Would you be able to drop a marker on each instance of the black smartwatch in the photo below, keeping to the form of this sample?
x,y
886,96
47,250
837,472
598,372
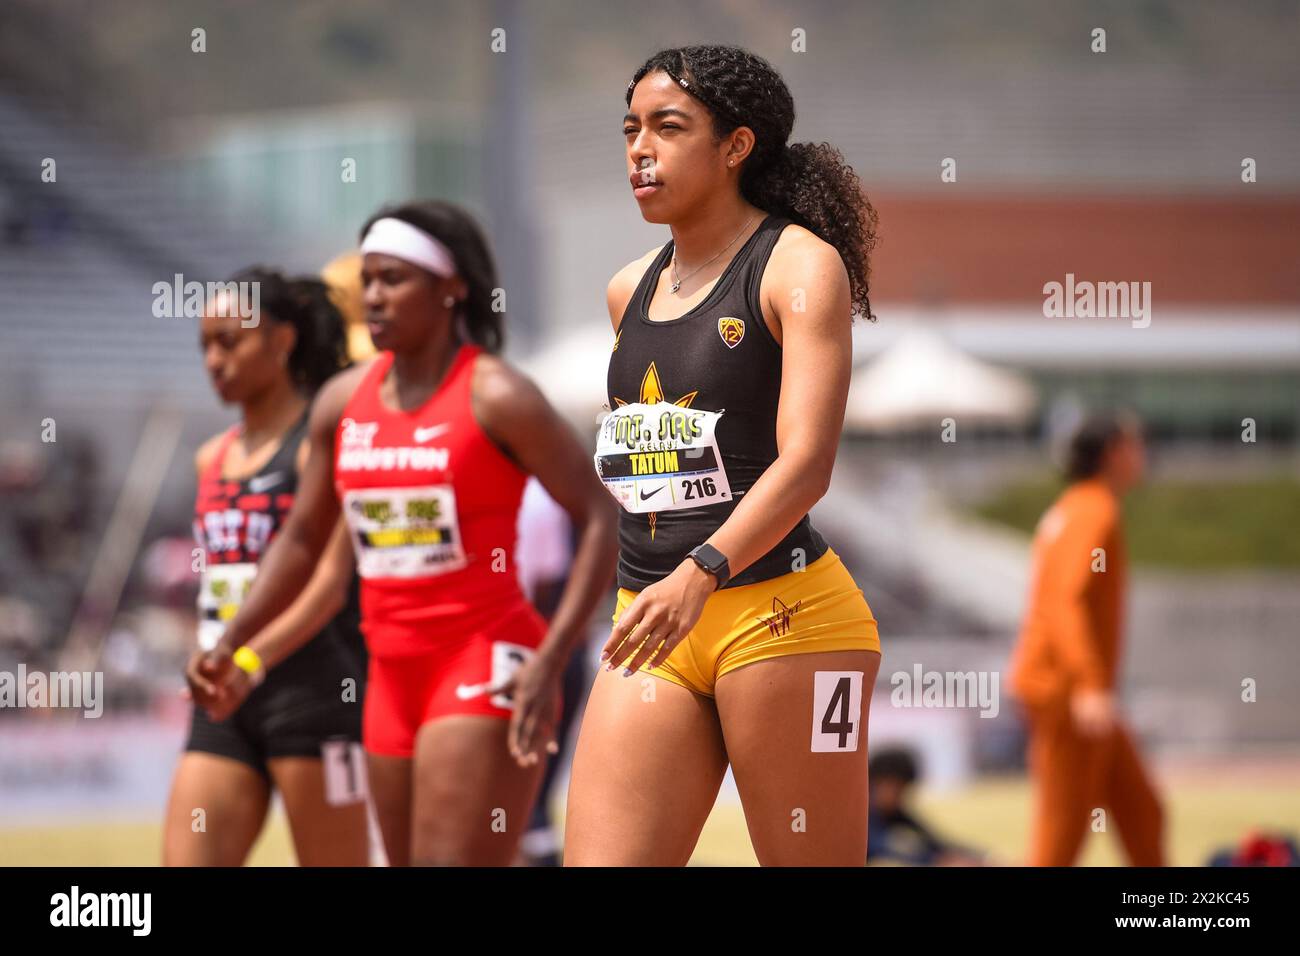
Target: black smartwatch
x,y
712,560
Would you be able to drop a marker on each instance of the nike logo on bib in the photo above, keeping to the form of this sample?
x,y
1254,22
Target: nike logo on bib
x,y
265,482
644,496
424,434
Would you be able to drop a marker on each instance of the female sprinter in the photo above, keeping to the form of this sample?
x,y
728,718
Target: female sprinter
x,y
425,451
291,715
727,385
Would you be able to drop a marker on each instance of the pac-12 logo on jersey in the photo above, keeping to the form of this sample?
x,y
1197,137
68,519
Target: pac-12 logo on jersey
x,y
732,330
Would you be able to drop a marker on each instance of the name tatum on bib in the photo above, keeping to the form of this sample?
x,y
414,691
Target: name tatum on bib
x,y
692,424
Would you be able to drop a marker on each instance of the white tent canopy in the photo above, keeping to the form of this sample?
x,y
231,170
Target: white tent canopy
x,y
922,379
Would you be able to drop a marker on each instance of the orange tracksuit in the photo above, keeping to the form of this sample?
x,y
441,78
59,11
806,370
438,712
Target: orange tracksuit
x,y
1071,639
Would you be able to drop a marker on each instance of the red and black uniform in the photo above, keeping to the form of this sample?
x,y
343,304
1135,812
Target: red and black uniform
x,y
302,702
432,504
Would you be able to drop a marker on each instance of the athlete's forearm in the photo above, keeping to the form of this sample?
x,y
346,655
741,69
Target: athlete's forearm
x,y
592,573
782,495
306,617
281,576
322,598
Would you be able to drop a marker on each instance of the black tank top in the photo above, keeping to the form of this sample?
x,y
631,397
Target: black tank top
x,y
235,522
719,356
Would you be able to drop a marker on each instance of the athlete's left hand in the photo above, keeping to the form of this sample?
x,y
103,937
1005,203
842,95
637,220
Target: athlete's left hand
x,y
205,674
661,616
535,690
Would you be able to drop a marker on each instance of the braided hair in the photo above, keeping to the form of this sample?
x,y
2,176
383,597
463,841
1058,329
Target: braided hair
x,y
320,348
808,183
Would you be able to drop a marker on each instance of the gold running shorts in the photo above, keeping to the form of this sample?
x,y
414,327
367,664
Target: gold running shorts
x,y
817,609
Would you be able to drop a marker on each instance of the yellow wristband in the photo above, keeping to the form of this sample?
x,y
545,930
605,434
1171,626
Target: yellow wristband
x,y
246,659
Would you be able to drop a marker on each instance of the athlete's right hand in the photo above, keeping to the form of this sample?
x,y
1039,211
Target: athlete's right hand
x,y
1093,712
535,689
206,673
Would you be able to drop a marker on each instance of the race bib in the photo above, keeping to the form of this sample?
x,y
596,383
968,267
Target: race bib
x,y
222,589
404,532
344,763
661,457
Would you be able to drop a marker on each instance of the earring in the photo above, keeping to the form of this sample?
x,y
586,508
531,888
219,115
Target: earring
x,y
449,301
731,162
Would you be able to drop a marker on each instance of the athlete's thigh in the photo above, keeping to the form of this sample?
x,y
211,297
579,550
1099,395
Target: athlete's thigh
x,y
646,772
471,799
391,785
799,754
323,834
215,811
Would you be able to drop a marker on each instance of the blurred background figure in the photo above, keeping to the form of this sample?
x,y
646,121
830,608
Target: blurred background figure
x,y
895,834
543,555
343,276
1083,760
280,719
1260,849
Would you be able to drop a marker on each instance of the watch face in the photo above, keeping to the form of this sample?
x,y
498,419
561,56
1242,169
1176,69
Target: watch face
x,y
710,558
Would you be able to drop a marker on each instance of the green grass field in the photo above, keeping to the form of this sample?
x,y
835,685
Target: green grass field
x,y
1186,525
1204,814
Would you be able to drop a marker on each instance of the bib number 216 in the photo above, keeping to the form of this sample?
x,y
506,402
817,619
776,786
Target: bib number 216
x,y
699,488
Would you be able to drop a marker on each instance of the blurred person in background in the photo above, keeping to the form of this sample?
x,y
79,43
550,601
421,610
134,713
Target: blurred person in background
x,y
1065,667
343,276
894,833
276,719
425,450
733,342
544,554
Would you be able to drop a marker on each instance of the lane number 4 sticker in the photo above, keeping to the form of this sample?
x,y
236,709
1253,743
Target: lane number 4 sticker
x,y
837,711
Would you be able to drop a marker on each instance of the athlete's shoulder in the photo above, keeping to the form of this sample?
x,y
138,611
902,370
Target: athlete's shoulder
x,y
805,268
499,386
207,453
619,291
800,253
1090,505
508,405
327,407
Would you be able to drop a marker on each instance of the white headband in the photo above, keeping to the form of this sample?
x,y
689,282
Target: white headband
x,y
393,237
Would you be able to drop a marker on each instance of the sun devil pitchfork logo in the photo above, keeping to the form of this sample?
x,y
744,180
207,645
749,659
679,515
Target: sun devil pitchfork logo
x,y
779,623
732,330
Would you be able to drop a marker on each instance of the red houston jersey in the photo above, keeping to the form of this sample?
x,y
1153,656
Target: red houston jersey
x,y
432,504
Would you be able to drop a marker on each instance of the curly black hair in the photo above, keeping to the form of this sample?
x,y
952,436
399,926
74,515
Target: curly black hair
x,y
460,232
808,183
321,348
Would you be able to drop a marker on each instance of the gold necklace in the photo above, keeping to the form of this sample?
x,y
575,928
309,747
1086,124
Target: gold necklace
x,y
677,280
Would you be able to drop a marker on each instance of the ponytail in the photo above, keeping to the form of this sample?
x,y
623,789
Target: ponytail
x,y
320,347
808,183
811,184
